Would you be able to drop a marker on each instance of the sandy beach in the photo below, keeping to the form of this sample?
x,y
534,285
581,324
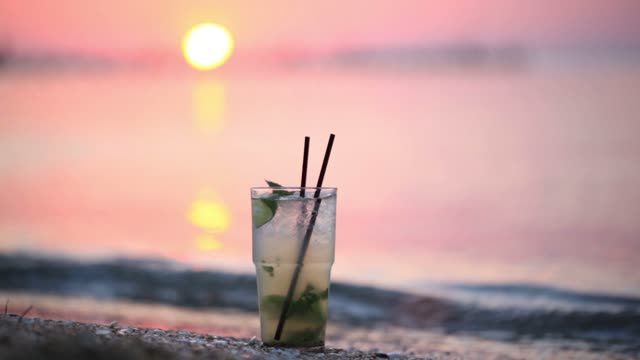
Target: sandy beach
x,y
35,338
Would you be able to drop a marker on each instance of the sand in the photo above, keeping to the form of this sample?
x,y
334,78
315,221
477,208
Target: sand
x,y
36,338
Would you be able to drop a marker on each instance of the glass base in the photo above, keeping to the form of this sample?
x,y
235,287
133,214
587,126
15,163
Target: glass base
x,y
317,347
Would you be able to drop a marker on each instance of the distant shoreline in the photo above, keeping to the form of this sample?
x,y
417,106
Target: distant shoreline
x,y
419,57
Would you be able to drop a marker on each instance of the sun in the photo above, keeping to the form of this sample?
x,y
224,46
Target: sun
x,y
207,46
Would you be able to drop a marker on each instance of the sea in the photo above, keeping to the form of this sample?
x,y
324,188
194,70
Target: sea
x,y
485,210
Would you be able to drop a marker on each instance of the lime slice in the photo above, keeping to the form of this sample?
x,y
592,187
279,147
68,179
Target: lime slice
x,y
263,211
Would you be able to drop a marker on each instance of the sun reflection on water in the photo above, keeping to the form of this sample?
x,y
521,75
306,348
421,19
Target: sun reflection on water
x,y
208,242
208,105
212,217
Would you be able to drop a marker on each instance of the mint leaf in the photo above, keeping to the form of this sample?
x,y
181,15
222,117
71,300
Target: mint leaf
x,y
309,296
307,307
306,337
275,185
325,294
271,306
268,269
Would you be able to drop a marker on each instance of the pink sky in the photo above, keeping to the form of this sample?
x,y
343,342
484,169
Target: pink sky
x,y
316,25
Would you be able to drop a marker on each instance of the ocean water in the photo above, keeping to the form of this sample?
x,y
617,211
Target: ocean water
x,y
510,193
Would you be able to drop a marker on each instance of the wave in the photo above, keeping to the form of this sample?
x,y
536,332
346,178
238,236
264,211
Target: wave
x,y
539,291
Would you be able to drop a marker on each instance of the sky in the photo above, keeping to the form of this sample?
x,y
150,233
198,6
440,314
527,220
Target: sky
x,y
124,25
521,168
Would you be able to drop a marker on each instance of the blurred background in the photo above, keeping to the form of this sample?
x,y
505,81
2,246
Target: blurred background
x,y
486,157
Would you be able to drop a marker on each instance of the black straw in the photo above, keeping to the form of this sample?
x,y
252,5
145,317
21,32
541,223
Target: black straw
x,y
305,160
325,162
305,242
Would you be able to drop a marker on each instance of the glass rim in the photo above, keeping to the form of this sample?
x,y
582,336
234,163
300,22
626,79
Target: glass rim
x,y
294,188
